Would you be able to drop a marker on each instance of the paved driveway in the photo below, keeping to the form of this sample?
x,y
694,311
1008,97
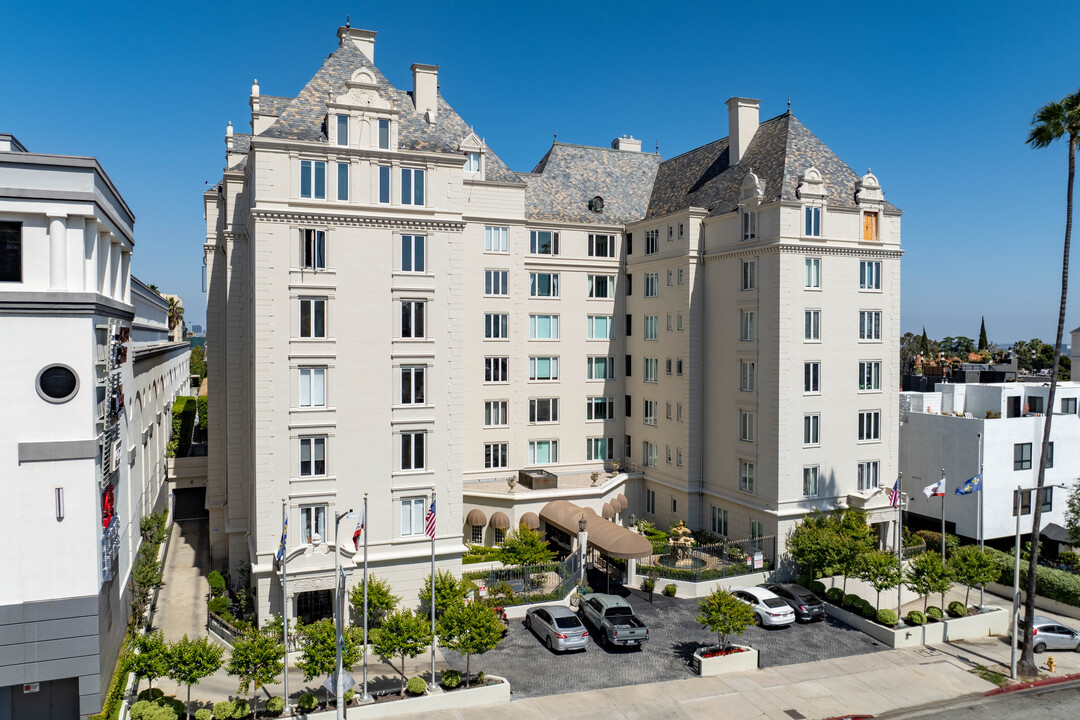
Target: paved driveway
x,y
674,634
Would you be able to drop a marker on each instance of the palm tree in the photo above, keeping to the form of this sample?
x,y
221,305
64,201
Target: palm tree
x,y
176,313
1052,122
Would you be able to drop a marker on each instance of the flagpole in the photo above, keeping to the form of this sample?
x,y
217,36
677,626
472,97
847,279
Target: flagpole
x,y
900,543
944,492
285,597
365,697
982,586
433,597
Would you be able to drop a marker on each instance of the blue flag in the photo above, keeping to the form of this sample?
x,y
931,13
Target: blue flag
x,y
970,486
284,535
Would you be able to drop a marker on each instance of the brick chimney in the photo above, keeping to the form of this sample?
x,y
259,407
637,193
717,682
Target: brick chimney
x,y
426,89
362,39
742,124
626,143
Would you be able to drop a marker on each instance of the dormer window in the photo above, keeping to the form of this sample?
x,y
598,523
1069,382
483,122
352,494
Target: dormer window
x,y
749,225
342,129
473,149
870,226
812,221
472,162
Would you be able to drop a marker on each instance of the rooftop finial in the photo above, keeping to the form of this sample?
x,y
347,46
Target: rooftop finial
x,y
346,20
789,104
657,147
555,135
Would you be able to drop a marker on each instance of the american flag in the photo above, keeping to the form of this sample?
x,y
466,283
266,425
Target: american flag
x,y
894,495
429,521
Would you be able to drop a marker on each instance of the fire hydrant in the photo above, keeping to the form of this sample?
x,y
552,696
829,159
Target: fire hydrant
x,y
1050,664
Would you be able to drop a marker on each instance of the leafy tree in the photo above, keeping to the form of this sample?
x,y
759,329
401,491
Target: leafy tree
x,y
471,629
448,591
925,343
197,362
524,546
881,570
971,565
402,634
814,546
149,661
983,343
257,659
318,654
958,346
1072,515
724,614
189,661
910,346
1051,123
856,536
381,601
927,575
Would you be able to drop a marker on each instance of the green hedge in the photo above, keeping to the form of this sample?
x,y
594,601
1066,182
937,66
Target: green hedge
x,y
203,414
183,422
1057,585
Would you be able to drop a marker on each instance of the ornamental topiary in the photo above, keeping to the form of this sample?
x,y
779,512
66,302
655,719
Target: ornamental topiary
x,y
451,679
275,705
648,585
869,611
957,609
834,595
886,617
818,588
670,589
348,696
416,686
934,612
852,602
915,618
139,710
241,710
217,583
307,701
203,714
224,710
218,605
151,694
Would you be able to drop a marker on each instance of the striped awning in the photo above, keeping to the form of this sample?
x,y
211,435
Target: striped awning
x,y
607,537
476,518
499,521
607,512
530,520
623,502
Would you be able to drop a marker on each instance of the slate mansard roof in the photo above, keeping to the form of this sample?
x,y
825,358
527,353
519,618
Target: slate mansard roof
x,y
303,118
780,151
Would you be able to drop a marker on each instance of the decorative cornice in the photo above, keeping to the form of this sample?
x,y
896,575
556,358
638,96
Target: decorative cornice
x,y
800,249
309,218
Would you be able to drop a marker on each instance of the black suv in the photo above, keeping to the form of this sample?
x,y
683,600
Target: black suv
x,y
807,605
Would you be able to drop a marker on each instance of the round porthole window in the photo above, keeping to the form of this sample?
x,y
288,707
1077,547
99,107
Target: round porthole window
x,y
57,383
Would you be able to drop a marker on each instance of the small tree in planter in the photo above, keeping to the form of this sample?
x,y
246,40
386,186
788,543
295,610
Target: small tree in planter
x,y
815,547
189,661
257,659
927,575
381,601
881,570
149,662
972,566
318,654
471,629
448,591
724,614
403,634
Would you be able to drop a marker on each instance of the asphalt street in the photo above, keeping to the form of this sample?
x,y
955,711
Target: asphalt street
x,y
1050,703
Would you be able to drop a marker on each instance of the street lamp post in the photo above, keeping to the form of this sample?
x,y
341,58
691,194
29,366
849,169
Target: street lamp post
x,y
339,612
583,540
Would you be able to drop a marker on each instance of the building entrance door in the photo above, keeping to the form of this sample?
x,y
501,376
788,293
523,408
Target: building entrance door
x,y
314,606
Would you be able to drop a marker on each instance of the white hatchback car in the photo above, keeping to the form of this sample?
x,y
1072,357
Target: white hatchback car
x,y
769,608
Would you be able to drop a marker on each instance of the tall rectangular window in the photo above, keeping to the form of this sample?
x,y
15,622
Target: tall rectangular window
x,y
652,242
869,274
810,481
601,246
384,133
495,456
870,425
629,284
870,226
312,387
384,184
496,239
313,249
652,370
869,324
412,319
812,216
650,501
1068,406
601,286
312,317
600,368
811,429
543,452
412,186
870,375
812,377
313,179
342,129
412,384
652,284
747,426
495,414
600,408
719,521
652,327
747,330
600,327
1022,456
312,456
412,450
746,476
749,225
544,410
10,252
413,512
543,242
651,408
312,522
747,371
543,368
472,162
813,273
496,282
544,285
748,275
496,369
412,253
496,326
543,327
648,458
868,475
599,448
812,325
343,182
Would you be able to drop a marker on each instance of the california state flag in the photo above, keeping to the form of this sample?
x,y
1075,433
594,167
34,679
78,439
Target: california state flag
x,y
935,490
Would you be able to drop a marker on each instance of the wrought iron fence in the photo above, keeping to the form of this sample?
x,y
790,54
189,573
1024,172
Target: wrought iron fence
x,y
528,583
727,558
911,551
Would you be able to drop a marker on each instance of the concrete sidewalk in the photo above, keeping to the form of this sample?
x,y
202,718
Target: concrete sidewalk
x,y
181,603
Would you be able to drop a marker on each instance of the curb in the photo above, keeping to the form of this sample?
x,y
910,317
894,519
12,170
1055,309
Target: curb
x,y
1033,684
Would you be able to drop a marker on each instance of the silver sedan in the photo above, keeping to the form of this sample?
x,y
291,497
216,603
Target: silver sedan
x,y
558,627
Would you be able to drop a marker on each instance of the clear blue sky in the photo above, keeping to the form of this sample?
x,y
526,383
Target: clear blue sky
x,y
935,98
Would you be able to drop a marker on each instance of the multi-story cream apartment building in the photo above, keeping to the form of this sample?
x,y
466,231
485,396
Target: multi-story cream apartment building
x,y
393,311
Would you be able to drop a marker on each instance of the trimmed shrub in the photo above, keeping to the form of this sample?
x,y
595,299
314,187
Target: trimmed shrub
x,y
218,605
834,595
183,422
670,589
203,408
241,710
175,704
203,714
307,701
915,618
416,686
139,710
803,580
869,611
451,679
818,588
1059,585
275,705
934,612
886,617
224,710
151,694
852,601
957,609
348,696
481,679
217,583
152,710
933,542
648,585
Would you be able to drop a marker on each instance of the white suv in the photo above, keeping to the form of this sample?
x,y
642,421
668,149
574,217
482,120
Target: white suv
x,y
769,608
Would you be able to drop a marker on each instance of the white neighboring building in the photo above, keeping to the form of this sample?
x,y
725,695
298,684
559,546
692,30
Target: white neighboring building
x,y
934,437
91,379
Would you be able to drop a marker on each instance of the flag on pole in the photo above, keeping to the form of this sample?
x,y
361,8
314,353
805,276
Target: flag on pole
x,y
359,528
894,495
429,521
970,486
284,535
935,490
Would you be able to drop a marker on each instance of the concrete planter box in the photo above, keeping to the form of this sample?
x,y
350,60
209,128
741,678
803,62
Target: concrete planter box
x,y
994,622
1042,603
737,662
687,589
432,702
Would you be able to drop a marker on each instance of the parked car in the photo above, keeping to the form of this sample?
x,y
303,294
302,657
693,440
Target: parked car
x,y
807,605
614,620
1047,634
770,609
557,627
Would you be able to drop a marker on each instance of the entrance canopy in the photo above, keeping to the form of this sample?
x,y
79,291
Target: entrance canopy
x,y
607,537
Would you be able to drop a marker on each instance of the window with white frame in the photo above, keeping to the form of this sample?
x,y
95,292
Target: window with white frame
x,y
682,231
679,322
812,377
312,523
667,411
496,369
384,133
312,456
412,450
312,387
472,162
869,324
544,410
667,366
495,414
670,278
747,372
412,253
543,242
670,323
496,326
496,282
870,425
495,456
543,452
670,233
652,327
600,327
651,408
652,370
667,454
757,532
678,366
812,325
498,536
412,186
652,242
496,239
412,319
544,285
313,179
384,184
746,476
543,368
1068,406
312,317
599,448
681,276
748,275
678,457
747,331
678,411
652,284
476,536
342,129
543,327
648,456
811,427
601,286
749,225
343,182
747,425
412,384
812,278
600,408
601,246
600,368
413,512
869,274
869,375
812,221
868,475
313,249
810,480
719,524
650,501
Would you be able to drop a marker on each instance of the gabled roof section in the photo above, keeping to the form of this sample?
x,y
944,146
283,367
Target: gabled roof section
x,y
304,117
569,176
781,150
273,105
